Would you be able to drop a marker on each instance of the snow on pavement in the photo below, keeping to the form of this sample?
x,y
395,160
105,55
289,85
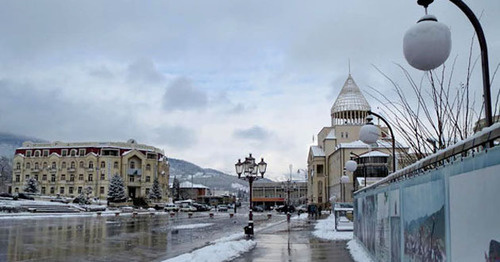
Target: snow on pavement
x,y
325,229
221,251
192,226
358,252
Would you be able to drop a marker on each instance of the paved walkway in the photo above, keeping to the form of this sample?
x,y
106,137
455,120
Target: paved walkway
x,y
294,242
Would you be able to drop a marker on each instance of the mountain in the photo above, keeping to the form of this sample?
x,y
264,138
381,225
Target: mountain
x,y
10,142
214,179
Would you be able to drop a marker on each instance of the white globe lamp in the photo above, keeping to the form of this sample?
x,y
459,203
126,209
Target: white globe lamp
x,y
427,44
344,179
369,134
351,165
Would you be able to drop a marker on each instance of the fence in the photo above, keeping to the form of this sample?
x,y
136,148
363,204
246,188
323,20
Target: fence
x,y
444,207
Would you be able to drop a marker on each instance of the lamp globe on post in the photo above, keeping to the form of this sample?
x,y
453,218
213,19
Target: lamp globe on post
x,y
239,168
351,165
262,167
427,44
369,133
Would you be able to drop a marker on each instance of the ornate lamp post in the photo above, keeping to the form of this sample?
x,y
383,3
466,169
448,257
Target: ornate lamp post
x,y
427,45
369,134
250,171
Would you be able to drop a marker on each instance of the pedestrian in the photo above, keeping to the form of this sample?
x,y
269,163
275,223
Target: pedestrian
x,y
319,211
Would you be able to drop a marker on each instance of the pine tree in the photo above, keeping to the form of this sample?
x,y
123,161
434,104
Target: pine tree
x,y
31,186
116,190
155,193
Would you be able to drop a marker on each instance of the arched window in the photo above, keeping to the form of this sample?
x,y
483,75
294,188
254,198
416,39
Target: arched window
x,y
28,165
63,165
18,165
132,164
72,164
36,165
115,165
44,165
148,167
73,152
81,164
91,164
103,164
54,165
37,153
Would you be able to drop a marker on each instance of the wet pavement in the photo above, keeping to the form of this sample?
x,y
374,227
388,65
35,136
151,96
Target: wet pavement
x,y
295,242
110,238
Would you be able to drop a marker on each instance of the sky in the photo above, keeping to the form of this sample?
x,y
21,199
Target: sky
x,y
208,81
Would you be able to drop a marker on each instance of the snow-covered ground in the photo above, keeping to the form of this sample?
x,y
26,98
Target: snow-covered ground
x,y
358,252
220,251
192,226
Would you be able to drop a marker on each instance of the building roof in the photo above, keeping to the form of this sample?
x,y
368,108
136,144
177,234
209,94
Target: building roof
x,y
374,154
187,184
317,151
360,144
350,98
331,135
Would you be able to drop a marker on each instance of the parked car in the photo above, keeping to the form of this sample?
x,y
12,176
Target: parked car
x,y
25,196
302,209
222,208
127,209
285,209
201,207
171,207
258,208
188,208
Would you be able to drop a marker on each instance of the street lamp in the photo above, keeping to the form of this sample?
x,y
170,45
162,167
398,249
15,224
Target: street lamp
x,y
344,180
288,186
427,45
369,134
351,166
250,171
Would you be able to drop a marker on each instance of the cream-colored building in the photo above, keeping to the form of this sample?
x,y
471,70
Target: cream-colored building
x,y
67,169
339,143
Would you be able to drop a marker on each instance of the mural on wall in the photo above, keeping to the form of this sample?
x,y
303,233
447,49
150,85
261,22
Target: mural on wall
x,y
475,215
424,222
369,222
395,218
383,233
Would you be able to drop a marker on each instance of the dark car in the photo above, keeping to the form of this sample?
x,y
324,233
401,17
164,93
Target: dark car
x,y
7,195
285,209
25,196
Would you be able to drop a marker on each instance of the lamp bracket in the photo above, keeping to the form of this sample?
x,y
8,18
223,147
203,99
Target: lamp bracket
x,y
425,3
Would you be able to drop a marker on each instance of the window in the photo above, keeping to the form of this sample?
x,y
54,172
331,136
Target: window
x,y
79,190
54,166
37,153
73,152
36,166
148,167
44,165
63,165
45,152
342,134
28,153
81,164
72,178
44,177
148,179
63,177
43,190
28,165
70,190
26,177
18,178
36,177
18,166
61,190
103,177
72,164
101,190
147,191
319,169
132,164
346,135
81,152
64,152
115,166
103,164
91,164
80,177
52,190
91,177
131,179
17,190
53,178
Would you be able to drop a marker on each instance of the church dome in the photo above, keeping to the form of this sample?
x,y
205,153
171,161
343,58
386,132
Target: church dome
x,y
351,106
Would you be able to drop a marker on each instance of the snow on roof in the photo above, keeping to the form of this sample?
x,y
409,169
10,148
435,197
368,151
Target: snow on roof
x,y
187,184
317,151
369,180
360,144
331,135
374,154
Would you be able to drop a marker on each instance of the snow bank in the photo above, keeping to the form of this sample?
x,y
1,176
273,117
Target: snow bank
x,y
358,252
221,251
191,226
325,229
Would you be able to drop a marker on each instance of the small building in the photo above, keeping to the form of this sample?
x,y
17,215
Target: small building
x,y
188,190
268,194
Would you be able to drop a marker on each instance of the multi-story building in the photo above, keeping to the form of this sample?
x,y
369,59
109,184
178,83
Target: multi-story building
x,y
68,169
269,194
339,143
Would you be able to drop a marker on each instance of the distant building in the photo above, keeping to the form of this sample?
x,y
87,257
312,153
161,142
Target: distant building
x,y
339,143
269,194
188,190
67,169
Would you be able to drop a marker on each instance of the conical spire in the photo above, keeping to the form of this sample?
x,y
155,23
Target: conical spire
x,y
351,105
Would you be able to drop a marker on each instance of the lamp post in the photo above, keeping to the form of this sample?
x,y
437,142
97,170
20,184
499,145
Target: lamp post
x,y
344,180
427,45
288,186
369,134
250,171
351,166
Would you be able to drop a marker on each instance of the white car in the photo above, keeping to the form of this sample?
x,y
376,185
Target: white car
x,y
171,207
188,208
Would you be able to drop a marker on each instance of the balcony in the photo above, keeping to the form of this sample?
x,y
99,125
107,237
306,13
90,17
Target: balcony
x,y
134,172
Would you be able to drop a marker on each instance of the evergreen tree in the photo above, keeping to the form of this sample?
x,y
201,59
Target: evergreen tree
x,y
31,186
155,193
116,190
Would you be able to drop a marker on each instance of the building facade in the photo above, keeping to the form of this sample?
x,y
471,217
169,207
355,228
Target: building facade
x,y
268,194
69,169
338,143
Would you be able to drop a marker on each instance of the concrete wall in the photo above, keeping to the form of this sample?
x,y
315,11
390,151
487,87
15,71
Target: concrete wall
x,y
448,213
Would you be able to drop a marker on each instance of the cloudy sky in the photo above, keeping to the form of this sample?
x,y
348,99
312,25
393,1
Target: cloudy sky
x,y
207,81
